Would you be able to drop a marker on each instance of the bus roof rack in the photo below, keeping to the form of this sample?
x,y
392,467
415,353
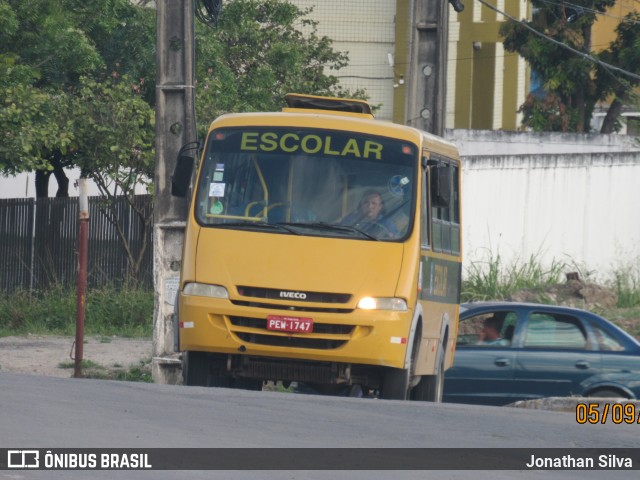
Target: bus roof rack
x,y
313,102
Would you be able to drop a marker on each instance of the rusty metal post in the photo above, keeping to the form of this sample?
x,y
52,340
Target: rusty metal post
x,y
83,240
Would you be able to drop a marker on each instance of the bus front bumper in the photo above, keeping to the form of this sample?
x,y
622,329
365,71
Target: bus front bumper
x,y
368,337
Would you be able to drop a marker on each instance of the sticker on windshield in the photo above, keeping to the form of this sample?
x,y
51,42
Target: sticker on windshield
x,y
398,185
216,207
216,189
218,174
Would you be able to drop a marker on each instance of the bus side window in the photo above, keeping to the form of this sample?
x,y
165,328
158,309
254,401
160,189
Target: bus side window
x,y
424,212
445,205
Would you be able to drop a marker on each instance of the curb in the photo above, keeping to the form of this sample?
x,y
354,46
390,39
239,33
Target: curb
x,y
569,404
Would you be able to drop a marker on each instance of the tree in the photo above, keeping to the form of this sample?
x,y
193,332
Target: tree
x,y
261,50
77,85
624,50
48,45
570,87
114,129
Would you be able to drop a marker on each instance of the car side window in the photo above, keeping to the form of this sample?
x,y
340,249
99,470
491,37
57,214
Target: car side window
x,y
546,330
605,341
487,329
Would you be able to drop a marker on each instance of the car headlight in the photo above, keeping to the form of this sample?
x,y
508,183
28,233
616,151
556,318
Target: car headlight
x,y
372,303
204,290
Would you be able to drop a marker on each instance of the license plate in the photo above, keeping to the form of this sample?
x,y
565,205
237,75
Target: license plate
x,y
290,324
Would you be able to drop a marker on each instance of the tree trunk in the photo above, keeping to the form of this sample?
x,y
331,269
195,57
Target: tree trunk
x,y
42,178
609,122
580,107
61,177
42,183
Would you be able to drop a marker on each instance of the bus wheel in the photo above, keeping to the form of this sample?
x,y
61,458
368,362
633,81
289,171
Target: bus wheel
x,y
395,384
196,369
430,387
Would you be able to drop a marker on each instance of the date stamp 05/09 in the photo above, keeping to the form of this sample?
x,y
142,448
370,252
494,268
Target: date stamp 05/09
x,y
616,413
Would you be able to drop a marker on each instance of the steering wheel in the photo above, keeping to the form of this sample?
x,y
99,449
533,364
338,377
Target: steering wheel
x,y
378,230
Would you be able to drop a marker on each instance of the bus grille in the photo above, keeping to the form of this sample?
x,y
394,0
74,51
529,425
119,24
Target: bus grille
x,y
279,294
290,308
262,336
292,342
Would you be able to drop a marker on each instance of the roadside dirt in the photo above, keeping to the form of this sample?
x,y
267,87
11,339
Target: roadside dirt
x,y
44,355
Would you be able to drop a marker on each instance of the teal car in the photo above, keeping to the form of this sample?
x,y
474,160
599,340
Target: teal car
x,y
539,351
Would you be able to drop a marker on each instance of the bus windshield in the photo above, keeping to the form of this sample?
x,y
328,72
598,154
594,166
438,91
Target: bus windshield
x,y
314,182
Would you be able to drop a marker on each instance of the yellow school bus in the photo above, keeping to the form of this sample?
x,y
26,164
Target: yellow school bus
x,y
322,247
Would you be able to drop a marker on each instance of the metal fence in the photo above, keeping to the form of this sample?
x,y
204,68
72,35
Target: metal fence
x,y
38,243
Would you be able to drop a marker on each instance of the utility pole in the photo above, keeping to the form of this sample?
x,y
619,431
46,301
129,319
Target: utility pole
x,y
81,291
175,126
426,98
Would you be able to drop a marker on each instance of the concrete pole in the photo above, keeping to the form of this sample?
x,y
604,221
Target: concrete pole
x,y
175,126
426,98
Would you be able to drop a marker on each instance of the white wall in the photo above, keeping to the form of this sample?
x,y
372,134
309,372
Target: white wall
x,y
580,209
24,185
500,142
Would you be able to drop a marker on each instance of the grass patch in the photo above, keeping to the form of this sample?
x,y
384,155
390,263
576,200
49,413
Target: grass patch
x,y
134,373
108,312
83,364
627,286
492,279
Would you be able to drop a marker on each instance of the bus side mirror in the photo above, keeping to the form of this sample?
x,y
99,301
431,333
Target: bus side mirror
x,y
440,185
181,178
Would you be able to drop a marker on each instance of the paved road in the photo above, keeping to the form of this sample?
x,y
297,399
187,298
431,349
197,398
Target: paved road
x,y
47,412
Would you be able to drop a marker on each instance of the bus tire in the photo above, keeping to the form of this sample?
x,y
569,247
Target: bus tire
x,y
430,387
196,369
395,384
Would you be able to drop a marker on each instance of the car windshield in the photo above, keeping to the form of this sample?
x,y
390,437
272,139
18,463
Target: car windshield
x,y
307,182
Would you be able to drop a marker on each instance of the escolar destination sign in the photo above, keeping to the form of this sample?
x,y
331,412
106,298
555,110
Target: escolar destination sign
x,y
311,144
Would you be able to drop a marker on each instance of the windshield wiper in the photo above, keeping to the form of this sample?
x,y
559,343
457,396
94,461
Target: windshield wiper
x,y
259,225
331,227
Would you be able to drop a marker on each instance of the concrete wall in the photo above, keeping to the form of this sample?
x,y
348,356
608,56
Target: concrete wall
x,y
581,208
499,142
23,185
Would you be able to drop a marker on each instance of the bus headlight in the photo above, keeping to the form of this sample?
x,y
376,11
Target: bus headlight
x,y
372,303
204,290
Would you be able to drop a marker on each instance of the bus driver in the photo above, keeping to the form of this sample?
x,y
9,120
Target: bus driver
x,y
370,215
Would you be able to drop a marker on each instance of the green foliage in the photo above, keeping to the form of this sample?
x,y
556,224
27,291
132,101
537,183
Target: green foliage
x,y
261,51
32,124
49,50
548,114
625,51
573,84
627,286
75,73
114,133
125,313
